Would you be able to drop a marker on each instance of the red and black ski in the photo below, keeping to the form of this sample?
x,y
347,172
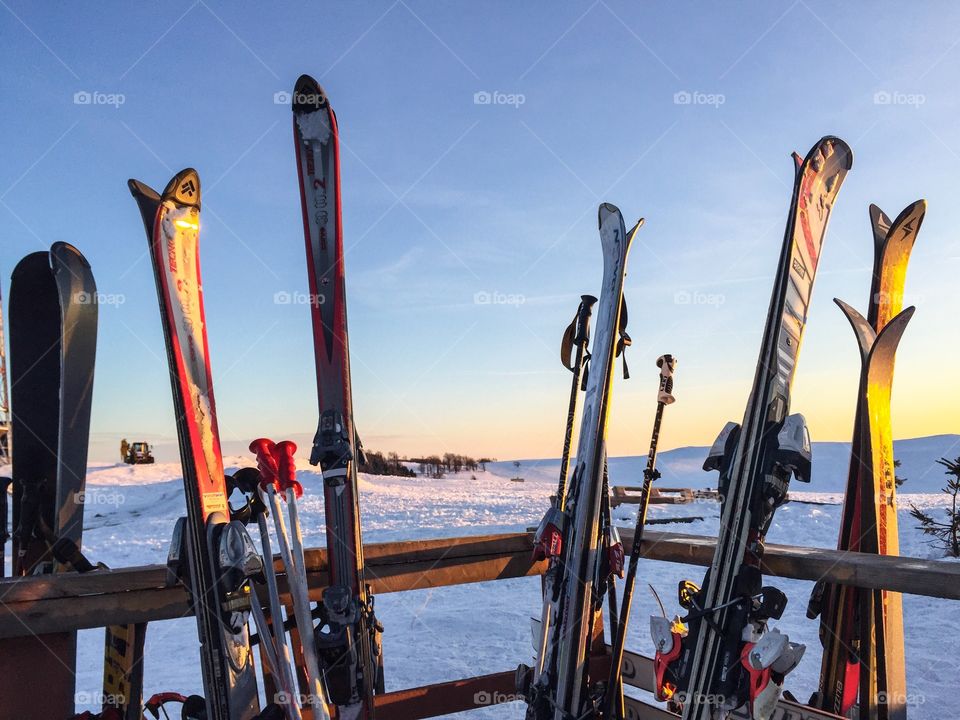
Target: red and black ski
x,y
349,637
213,545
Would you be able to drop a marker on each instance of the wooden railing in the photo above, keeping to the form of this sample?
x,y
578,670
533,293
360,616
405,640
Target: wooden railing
x,y
56,603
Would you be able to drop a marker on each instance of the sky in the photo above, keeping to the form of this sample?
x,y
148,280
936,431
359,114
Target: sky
x,y
477,141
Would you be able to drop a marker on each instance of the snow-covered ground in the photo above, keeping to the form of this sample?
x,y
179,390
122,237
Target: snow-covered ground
x,y
448,633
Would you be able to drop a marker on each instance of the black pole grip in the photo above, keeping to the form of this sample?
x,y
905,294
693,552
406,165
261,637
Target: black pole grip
x,y
582,332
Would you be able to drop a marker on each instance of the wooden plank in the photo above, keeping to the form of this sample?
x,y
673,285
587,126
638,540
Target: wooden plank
x,y
932,578
45,604
456,696
447,697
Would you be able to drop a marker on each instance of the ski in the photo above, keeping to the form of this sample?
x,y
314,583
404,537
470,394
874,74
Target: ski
x,y
53,335
882,690
614,701
77,292
868,484
219,553
349,635
123,669
559,688
723,656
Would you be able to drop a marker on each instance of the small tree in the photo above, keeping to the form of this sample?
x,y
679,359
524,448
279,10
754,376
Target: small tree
x,y
944,534
896,478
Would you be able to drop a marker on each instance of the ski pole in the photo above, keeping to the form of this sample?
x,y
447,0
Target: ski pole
x,y
548,540
281,652
287,475
613,549
576,335
270,472
614,704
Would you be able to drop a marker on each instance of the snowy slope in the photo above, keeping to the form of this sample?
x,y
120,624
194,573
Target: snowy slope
x,y
682,467
442,634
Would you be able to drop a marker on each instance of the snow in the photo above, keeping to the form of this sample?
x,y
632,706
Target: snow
x,y
448,633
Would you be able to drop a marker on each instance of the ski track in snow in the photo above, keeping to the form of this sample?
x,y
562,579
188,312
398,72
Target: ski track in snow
x,y
448,633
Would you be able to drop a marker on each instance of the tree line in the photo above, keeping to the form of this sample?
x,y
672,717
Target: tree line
x,y
435,466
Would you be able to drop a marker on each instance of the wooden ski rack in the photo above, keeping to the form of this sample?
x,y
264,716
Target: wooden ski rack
x,y
56,603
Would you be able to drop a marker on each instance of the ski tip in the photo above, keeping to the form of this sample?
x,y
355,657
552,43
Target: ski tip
x,y
907,224
605,211
184,188
885,348
139,189
865,334
916,209
877,215
61,249
308,95
832,145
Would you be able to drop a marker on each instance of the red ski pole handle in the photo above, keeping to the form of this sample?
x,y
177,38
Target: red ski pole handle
x,y
264,449
287,467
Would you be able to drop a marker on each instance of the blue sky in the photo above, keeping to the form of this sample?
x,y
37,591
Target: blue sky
x,y
446,197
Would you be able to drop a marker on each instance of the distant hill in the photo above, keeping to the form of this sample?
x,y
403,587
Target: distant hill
x,y
682,467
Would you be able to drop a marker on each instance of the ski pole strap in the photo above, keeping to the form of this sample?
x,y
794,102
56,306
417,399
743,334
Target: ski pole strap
x,y
264,449
624,340
287,467
577,333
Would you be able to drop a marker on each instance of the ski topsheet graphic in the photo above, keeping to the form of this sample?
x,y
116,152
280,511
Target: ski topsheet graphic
x,y
349,634
556,688
724,657
217,550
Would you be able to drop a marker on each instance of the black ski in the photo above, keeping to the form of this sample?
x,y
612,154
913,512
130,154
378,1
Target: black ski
x,y
728,658
53,334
